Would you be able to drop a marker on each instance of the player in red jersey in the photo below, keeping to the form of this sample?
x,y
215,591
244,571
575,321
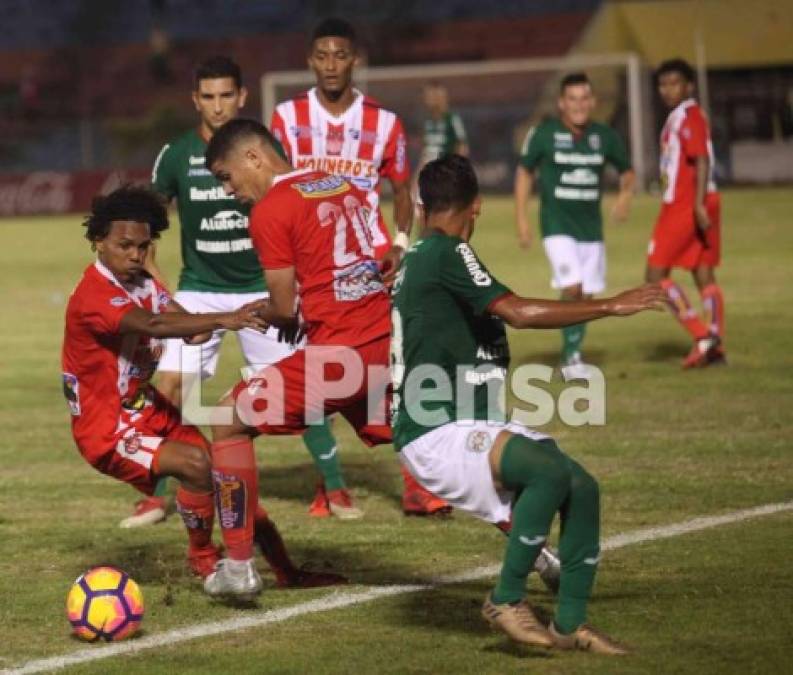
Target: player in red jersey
x,y
116,320
334,128
309,229
688,230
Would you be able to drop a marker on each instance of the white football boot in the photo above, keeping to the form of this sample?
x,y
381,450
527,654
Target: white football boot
x,y
575,369
237,579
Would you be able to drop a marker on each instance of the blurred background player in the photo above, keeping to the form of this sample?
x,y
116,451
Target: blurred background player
x,y
449,314
688,230
334,128
569,154
220,269
444,133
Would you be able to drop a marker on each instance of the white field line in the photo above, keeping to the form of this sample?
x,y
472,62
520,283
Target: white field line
x,y
338,600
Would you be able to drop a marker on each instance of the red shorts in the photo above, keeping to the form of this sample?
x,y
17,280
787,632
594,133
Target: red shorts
x,y
677,242
134,453
285,397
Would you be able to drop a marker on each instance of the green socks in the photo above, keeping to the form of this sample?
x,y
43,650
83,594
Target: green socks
x,y
322,445
572,337
161,488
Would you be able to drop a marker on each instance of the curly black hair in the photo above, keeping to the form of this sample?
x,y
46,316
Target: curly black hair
x,y
129,202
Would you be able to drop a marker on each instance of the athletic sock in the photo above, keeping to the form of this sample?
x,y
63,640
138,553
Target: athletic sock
x,y
572,337
540,472
272,546
198,514
681,308
161,488
236,494
713,303
579,548
322,445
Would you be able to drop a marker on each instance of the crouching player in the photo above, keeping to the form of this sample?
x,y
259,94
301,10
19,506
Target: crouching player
x,y
448,320
116,320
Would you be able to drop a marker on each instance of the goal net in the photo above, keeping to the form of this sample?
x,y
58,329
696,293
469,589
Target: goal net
x,y
498,101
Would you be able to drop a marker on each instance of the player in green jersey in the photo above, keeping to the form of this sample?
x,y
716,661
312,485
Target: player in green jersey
x,y
220,269
569,154
444,133
448,328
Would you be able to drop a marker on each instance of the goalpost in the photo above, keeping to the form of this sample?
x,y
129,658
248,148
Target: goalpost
x,y
498,100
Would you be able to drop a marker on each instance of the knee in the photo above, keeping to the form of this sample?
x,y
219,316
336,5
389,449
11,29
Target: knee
x,y
197,467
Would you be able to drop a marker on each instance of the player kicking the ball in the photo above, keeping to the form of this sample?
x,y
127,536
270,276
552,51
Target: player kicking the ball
x,y
688,230
448,324
116,320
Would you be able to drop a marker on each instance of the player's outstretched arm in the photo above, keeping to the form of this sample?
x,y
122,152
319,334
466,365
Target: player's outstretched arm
x,y
530,313
172,324
522,191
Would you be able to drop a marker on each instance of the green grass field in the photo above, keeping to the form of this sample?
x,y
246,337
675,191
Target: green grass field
x,y
676,445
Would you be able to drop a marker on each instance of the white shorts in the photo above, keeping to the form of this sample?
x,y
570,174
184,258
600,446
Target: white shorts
x,y
259,349
576,262
453,463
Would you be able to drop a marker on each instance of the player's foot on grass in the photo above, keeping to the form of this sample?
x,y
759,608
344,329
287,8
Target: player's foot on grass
x,y
341,505
549,569
703,353
319,508
423,503
304,578
518,621
234,579
202,561
148,511
574,368
717,356
586,639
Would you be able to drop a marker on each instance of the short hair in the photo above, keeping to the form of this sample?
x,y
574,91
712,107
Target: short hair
x,y
231,133
216,67
129,202
334,27
680,66
572,79
448,183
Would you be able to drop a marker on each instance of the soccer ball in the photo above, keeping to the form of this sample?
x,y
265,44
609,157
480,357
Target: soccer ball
x,y
104,603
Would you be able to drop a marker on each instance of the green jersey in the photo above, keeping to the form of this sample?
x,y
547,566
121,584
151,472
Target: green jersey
x,y
217,253
570,175
442,136
441,332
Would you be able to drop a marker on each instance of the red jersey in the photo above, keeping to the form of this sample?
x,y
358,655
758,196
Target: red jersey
x,y
104,370
363,144
316,223
685,137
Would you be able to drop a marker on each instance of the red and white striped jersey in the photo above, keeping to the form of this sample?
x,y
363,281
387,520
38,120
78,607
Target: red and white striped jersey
x,y
363,144
685,137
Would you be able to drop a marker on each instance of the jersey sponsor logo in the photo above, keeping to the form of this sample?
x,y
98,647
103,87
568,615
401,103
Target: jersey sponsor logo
x,y
334,141
202,172
232,246
594,142
579,176
577,158
71,391
492,352
472,264
225,220
324,187
478,441
477,377
562,139
357,281
196,161
230,497
119,301
213,194
576,194
354,169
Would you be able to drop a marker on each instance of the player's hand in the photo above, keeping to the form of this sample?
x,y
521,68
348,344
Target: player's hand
x,y
292,334
525,237
247,316
621,208
390,264
648,296
701,217
199,338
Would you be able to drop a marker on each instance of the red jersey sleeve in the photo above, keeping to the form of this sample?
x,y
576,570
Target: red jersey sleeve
x,y
694,134
395,165
270,232
278,129
101,309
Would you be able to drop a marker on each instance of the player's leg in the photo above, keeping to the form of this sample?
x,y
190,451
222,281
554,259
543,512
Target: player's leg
x,y
705,279
263,349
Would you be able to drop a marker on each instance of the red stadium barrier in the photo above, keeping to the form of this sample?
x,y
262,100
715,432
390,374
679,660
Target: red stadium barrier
x,y
44,192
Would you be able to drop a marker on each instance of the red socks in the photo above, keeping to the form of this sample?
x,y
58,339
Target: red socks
x,y
237,494
198,513
681,308
713,302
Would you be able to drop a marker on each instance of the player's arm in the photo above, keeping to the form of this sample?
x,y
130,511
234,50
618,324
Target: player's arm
x,y
531,313
622,205
174,324
524,182
703,172
395,167
460,138
279,310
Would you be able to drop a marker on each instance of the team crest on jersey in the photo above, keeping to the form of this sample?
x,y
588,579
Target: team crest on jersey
x,y
71,391
478,441
324,187
594,142
355,134
130,444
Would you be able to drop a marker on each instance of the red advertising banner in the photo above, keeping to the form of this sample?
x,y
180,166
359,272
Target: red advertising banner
x,y
44,192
